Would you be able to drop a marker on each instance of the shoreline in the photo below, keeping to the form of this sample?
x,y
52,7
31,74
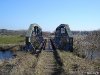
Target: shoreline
x,y
12,47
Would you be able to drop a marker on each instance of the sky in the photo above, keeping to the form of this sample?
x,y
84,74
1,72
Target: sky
x,y
78,14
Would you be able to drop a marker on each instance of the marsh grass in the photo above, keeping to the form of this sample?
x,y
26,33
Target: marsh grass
x,y
76,65
11,39
23,64
45,64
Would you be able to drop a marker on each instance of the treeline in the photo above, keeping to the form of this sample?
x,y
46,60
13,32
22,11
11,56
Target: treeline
x,y
83,32
12,32
20,32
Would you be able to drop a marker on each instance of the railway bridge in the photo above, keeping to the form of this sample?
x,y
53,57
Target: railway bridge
x,y
46,49
63,38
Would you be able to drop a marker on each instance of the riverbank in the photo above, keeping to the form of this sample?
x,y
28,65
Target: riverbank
x,y
12,47
23,64
11,42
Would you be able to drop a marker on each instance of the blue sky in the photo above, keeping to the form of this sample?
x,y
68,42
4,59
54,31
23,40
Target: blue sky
x,y
79,14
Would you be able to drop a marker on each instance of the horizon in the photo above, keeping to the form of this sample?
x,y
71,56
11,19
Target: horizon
x,y
52,31
79,15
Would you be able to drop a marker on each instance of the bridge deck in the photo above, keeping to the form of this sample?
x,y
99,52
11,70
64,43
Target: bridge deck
x,y
48,46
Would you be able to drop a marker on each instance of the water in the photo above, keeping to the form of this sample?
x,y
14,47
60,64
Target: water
x,y
6,55
96,54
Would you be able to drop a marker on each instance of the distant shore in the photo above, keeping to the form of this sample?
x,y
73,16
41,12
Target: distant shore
x,y
11,42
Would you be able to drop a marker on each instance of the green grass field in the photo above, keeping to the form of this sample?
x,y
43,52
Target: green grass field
x,y
11,39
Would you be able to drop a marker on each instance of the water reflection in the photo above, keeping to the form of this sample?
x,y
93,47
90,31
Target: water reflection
x,y
6,55
94,55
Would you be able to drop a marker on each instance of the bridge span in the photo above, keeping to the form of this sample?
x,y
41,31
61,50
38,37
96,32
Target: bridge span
x,y
46,49
63,38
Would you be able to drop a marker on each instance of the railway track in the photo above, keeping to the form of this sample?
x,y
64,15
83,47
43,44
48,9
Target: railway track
x,y
49,62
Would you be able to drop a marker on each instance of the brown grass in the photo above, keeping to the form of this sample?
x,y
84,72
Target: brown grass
x,y
76,65
23,64
45,64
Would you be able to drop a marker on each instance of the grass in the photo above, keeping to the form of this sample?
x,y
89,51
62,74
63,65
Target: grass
x,y
28,64
11,39
45,64
73,64
23,64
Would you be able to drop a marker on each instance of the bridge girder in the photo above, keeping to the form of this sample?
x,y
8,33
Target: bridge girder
x,y
34,31
34,28
63,37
